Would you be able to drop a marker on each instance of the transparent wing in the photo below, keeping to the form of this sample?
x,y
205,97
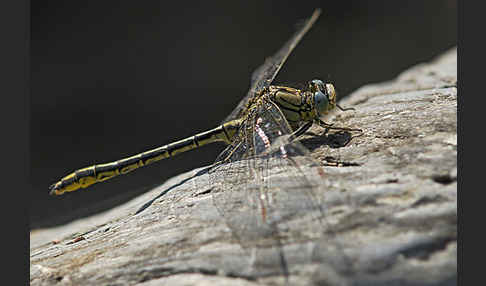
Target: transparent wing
x,y
260,189
264,75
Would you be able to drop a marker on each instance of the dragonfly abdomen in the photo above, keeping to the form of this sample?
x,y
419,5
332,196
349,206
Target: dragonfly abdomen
x,y
88,176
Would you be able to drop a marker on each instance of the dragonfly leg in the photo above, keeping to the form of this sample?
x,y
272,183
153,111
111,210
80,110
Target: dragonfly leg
x,y
301,130
324,124
345,108
328,126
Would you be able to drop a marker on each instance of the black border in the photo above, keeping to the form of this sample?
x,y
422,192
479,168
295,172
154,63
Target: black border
x,y
14,29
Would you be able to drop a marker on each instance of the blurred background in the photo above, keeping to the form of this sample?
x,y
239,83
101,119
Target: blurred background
x,y
109,80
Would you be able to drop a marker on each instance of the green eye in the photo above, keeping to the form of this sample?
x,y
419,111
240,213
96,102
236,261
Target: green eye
x,y
321,102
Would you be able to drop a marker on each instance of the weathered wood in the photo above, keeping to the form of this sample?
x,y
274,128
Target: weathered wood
x,y
391,214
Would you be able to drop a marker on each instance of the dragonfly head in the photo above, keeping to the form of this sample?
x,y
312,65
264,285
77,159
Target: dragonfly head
x,y
324,96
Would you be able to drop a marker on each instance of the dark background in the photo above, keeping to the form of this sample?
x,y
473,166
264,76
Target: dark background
x,y
110,80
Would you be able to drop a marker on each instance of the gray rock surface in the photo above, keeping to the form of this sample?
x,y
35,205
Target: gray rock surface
x,y
389,195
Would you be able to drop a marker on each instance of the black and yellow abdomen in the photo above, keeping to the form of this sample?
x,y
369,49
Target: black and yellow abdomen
x,y
88,176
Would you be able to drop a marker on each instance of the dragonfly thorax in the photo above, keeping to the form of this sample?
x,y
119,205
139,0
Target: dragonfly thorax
x,y
304,105
296,105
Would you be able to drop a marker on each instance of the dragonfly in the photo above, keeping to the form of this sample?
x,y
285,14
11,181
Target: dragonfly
x,y
258,183
290,105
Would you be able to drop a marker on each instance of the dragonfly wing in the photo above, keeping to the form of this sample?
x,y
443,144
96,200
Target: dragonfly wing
x,y
261,191
264,75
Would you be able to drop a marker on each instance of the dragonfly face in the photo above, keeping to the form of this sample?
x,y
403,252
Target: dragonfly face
x,y
324,96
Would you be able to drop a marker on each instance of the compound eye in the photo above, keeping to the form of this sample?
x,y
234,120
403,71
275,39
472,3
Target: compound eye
x,y
321,102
